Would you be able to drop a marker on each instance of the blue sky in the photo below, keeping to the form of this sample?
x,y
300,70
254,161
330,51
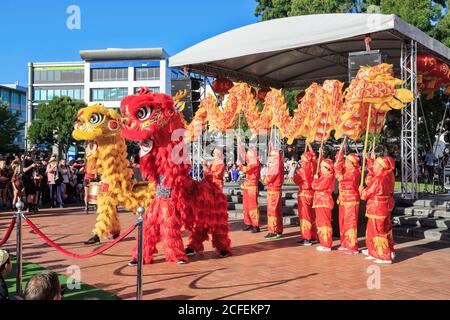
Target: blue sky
x,y
36,31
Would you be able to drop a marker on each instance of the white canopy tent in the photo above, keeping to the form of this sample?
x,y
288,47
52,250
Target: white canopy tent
x,y
293,52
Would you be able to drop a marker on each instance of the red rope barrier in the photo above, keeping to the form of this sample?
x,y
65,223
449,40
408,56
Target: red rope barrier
x,y
9,231
80,256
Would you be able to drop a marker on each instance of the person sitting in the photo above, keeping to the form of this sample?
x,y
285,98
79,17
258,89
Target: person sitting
x,y
5,269
44,286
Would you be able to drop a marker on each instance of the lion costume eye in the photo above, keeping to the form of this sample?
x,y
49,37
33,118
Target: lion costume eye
x,y
144,113
96,118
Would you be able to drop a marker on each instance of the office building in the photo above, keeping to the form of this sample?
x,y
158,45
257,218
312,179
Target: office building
x,y
16,95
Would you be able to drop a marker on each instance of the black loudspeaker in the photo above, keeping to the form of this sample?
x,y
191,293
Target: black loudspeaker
x,y
192,86
363,58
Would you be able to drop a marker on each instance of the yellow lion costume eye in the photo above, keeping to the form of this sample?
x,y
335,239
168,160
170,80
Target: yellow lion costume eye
x,y
96,118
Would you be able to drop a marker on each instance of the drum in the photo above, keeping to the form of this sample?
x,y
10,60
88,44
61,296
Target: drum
x,y
93,190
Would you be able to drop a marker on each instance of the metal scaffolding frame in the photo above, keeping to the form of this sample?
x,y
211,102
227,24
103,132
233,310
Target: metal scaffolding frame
x,y
409,163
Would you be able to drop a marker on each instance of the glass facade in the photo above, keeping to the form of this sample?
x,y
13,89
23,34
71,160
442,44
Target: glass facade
x,y
108,94
147,73
59,75
48,93
6,96
113,74
154,89
16,100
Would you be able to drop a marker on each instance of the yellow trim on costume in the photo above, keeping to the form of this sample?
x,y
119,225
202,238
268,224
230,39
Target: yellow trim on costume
x,y
382,163
305,225
321,206
372,216
380,243
326,165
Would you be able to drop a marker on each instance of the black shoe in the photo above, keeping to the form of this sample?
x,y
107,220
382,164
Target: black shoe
x,y
115,236
224,254
94,239
304,242
182,261
255,230
189,252
133,263
247,228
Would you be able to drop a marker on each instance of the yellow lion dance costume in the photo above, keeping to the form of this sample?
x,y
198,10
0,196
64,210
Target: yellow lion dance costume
x,y
102,126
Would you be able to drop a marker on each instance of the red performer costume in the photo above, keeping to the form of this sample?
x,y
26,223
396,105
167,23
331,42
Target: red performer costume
x,y
201,207
274,179
216,168
303,178
250,190
379,196
323,186
348,173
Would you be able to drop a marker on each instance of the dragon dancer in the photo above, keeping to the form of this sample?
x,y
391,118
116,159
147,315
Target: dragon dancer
x,y
348,173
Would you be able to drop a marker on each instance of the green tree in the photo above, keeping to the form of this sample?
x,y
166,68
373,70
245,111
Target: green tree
x,y
10,127
427,15
54,123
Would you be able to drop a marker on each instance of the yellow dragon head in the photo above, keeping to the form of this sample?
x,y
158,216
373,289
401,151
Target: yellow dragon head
x,y
97,123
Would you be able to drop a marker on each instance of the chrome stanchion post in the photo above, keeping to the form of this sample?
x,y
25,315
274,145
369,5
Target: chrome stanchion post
x,y
140,211
19,205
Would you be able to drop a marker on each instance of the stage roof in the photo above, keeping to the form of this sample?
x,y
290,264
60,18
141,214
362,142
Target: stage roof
x,y
295,51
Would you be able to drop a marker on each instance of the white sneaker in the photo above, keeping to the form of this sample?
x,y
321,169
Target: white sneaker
x,y
342,249
383,261
370,258
324,249
365,252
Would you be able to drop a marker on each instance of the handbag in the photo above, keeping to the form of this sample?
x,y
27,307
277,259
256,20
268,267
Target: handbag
x,y
59,178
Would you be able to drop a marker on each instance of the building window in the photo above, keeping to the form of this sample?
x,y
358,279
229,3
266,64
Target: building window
x,y
47,94
15,98
23,100
154,89
108,94
59,75
5,96
113,74
146,73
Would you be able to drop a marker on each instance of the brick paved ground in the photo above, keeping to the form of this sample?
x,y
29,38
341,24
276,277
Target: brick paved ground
x,y
259,269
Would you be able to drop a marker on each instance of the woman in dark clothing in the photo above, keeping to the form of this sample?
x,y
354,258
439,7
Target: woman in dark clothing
x,y
29,168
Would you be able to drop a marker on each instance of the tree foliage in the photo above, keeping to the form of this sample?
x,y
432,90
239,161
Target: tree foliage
x,y
54,123
10,127
427,15
432,17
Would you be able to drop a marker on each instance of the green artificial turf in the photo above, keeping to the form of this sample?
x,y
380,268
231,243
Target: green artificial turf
x,y
30,269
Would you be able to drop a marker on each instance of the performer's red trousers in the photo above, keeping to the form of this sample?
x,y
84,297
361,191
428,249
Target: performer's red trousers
x,y
348,226
306,215
379,239
324,228
250,203
274,214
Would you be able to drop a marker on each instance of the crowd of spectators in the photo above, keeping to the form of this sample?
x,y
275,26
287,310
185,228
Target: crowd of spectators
x,y
41,180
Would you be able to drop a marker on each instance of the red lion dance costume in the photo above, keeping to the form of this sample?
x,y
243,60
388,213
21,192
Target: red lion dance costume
x,y
201,207
303,179
323,203
348,173
274,179
380,203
